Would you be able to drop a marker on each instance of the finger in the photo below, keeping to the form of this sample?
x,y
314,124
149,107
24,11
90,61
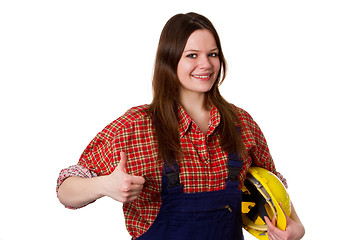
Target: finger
x,y
137,180
271,237
135,188
127,199
273,220
267,221
281,206
131,199
271,225
273,231
123,162
132,195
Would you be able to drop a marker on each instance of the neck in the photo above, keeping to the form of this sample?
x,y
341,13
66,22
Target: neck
x,y
198,108
194,102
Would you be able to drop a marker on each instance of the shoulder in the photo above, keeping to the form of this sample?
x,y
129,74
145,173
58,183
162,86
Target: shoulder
x,y
249,127
133,116
244,116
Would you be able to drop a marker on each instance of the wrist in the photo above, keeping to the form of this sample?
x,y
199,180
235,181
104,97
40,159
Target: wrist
x,y
100,186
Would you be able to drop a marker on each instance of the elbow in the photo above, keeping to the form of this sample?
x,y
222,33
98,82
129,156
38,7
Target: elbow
x,y
64,198
61,195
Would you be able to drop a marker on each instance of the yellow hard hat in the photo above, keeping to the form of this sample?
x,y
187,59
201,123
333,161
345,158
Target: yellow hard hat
x,y
262,193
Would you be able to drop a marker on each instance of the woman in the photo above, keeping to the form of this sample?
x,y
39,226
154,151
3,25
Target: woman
x,y
178,163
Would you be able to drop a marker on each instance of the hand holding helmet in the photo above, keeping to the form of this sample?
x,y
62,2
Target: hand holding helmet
x,y
293,231
263,193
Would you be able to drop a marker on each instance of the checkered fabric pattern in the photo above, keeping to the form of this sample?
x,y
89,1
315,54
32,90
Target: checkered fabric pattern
x,y
203,167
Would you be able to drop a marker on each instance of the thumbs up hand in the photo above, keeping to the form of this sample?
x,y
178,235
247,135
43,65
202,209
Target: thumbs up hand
x,y
121,186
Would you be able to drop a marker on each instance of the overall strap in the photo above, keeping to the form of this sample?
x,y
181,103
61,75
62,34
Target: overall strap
x,y
171,176
235,165
170,183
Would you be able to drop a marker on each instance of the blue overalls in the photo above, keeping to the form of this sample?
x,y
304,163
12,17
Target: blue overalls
x,y
214,215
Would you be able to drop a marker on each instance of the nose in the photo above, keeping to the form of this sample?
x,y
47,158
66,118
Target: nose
x,y
204,62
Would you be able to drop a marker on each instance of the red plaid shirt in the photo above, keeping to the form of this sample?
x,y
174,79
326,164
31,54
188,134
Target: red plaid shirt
x,y
203,167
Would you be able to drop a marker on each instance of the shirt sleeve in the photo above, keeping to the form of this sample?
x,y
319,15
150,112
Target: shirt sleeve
x,y
256,144
96,160
72,171
98,156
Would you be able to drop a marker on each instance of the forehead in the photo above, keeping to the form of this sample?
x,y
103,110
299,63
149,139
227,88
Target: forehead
x,y
201,40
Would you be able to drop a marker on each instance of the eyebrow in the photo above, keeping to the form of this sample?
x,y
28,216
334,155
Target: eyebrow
x,y
193,50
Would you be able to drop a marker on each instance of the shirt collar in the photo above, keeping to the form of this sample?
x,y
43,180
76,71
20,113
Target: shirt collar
x,y
215,119
185,121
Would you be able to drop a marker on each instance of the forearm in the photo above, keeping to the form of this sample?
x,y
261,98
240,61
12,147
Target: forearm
x,y
295,217
77,191
293,214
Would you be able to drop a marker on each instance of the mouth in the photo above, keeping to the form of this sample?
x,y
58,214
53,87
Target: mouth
x,y
202,77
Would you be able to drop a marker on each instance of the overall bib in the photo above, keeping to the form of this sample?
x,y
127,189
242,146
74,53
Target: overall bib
x,y
214,215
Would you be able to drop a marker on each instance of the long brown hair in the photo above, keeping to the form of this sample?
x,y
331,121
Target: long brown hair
x,y
166,85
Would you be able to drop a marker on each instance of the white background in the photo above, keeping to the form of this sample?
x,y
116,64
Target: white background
x,y
68,68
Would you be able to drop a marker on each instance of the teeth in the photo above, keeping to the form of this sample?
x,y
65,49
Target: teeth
x,y
202,76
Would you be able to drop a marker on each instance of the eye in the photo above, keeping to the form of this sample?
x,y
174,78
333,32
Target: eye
x,y
192,55
213,54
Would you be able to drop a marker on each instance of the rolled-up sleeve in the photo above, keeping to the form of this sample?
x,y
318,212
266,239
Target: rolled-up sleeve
x,y
97,159
73,171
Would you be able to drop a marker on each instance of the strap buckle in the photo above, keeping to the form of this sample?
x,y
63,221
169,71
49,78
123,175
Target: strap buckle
x,y
233,174
174,179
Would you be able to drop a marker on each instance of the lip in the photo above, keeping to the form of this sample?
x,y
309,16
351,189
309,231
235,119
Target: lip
x,y
202,77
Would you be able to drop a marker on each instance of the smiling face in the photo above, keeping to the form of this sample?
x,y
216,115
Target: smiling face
x,y
199,65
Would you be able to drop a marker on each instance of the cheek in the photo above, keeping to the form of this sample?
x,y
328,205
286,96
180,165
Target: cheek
x,y
216,65
184,70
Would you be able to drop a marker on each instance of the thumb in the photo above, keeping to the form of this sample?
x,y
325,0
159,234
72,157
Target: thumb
x,y
286,216
123,162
